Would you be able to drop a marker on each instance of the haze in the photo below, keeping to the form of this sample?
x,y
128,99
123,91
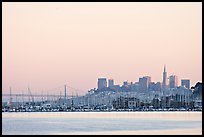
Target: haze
x,y
47,45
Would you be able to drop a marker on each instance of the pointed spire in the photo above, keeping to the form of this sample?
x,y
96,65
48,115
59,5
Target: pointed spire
x,y
164,67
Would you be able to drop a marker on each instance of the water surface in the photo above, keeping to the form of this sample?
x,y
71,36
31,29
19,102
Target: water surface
x,y
97,122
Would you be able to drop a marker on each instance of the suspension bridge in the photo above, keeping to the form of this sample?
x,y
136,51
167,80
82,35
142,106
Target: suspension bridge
x,y
46,95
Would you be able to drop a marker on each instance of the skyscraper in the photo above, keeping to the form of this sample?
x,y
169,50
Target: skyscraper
x,y
143,84
148,81
110,82
164,79
173,81
186,83
158,86
102,83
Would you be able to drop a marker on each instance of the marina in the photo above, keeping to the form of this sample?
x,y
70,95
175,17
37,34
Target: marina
x,y
102,68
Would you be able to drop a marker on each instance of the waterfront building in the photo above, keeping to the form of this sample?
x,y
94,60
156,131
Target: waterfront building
x,y
126,103
156,103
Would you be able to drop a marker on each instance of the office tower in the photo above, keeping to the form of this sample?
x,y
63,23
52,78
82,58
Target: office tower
x,y
148,81
134,87
164,79
186,83
110,82
173,81
102,83
151,86
143,84
158,86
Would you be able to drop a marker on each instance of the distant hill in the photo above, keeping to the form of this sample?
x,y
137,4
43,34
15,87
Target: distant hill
x,y
197,90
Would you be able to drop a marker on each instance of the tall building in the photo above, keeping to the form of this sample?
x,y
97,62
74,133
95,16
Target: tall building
x,y
102,83
173,81
148,81
134,87
143,84
186,83
164,82
158,86
151,86
110,82
155,86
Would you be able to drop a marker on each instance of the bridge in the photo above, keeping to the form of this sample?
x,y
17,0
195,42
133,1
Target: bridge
x,y
48,96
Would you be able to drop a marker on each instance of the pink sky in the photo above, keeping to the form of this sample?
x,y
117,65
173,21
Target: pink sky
x,y
46,45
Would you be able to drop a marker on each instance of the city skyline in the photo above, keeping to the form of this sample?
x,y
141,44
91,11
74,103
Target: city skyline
x,y
108,82
50,44
168,82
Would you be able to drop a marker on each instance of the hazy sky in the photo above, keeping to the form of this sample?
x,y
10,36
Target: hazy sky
x,y
47,45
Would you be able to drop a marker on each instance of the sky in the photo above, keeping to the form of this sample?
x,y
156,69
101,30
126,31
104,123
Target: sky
x,y
48,45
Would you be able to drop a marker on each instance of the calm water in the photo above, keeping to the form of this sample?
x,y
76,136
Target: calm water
x,y
70,123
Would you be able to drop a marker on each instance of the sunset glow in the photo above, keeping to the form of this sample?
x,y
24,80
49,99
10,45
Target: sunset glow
x,y
46,45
